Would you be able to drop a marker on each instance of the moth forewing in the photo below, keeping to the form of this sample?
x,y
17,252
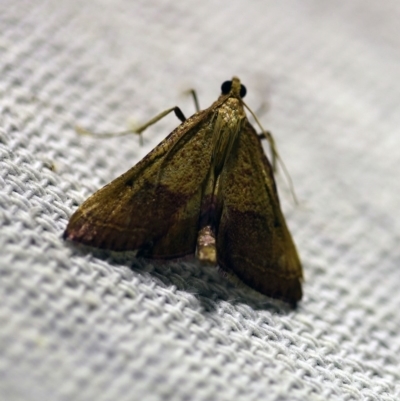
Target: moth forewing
x,y
253,241
142,209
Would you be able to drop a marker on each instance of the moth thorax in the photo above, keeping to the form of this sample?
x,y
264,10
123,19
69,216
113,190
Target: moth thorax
x,y
232,111
206,250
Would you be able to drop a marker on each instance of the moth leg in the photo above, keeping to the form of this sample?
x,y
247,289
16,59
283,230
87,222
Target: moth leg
x,y
262,109
195,99
137,130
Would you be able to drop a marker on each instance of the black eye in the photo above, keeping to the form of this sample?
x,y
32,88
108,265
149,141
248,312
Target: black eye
x,y
226,87
243,91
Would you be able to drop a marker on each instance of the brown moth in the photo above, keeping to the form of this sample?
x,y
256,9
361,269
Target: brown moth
x,y
208,189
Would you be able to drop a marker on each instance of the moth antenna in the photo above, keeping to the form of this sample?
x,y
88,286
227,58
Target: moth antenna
x,y
275,155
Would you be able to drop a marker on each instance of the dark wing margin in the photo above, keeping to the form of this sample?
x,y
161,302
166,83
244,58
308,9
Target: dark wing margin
x,y
253,241
154,207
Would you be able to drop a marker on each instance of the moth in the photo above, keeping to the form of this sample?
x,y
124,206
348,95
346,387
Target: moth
x,y
207,189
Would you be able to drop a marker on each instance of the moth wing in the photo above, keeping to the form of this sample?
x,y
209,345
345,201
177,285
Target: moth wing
x,y
253,241
154,207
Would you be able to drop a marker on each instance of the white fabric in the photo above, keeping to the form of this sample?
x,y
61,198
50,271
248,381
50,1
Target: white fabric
x,y
77,326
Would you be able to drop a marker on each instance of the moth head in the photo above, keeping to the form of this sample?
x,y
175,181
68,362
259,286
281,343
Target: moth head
x,y
234,87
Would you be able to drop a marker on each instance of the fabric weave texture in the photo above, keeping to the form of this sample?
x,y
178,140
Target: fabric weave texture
x,y
79,325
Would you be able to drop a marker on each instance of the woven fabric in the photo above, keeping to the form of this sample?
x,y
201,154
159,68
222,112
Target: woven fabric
x,y
75,325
